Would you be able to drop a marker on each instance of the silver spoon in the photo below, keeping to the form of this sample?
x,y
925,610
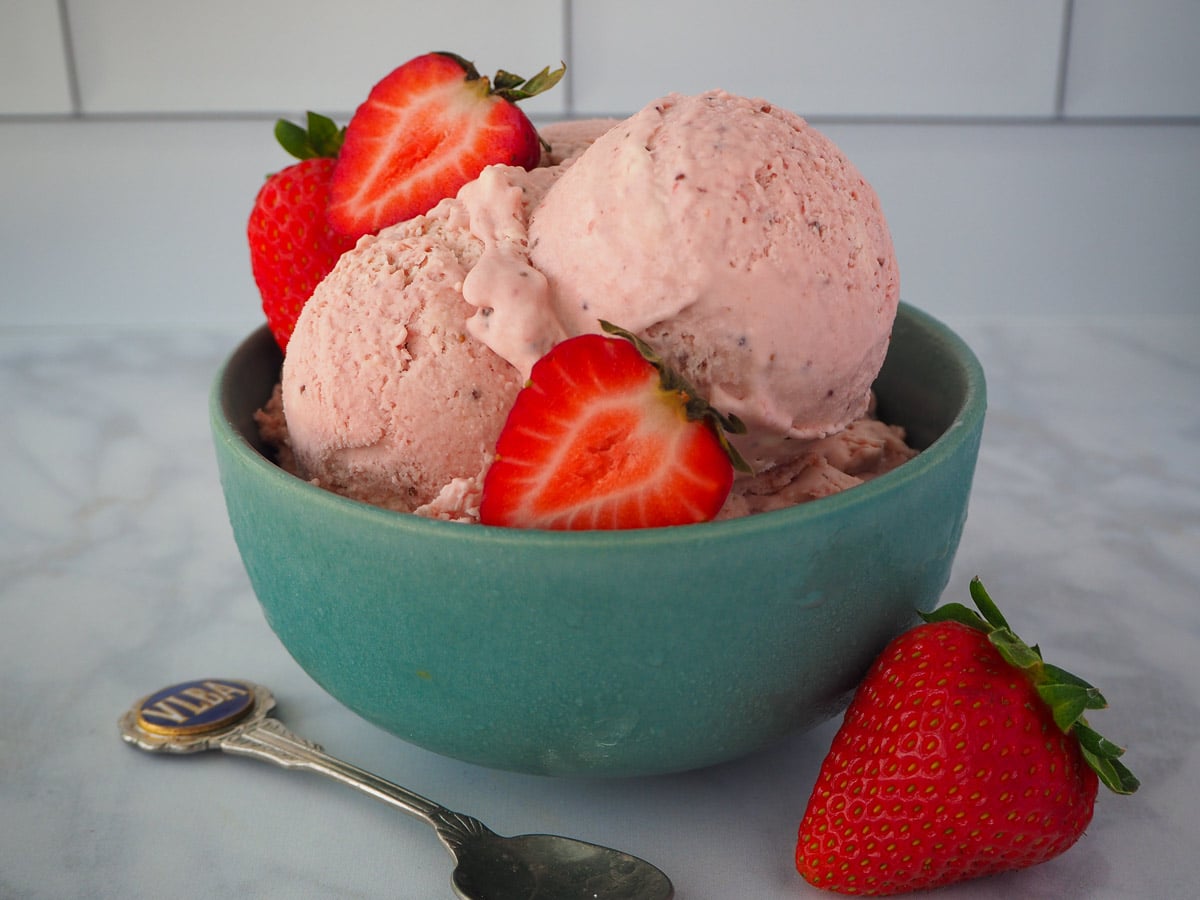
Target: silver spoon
x,y
223,714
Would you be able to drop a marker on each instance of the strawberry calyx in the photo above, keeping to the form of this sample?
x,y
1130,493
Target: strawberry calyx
x,y
321,138
1067,695
695,407
507,85
510,87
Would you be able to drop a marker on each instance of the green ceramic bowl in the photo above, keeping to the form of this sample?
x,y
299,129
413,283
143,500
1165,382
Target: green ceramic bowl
x,y
606,653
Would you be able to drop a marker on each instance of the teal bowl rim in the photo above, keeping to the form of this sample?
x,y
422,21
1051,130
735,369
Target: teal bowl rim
x,y
965,424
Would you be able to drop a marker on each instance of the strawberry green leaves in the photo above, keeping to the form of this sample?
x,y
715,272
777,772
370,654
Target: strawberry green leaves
x,y
508,85
1067,695
513,87
321,138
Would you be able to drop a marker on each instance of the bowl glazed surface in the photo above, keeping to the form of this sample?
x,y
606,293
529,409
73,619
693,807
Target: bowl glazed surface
x,y
606,653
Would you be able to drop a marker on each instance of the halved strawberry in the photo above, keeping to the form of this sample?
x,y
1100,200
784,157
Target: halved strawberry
x,y
292,246
423,132
605,436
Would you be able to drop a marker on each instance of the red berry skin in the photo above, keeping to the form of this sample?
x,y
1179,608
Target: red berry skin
x,y
292,245
948,766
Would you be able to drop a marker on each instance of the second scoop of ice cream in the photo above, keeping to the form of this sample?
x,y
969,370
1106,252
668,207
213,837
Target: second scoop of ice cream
x,y
736,239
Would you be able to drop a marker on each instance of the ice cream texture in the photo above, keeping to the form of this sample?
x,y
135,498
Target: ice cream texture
x,y
732,236
385,397
737,240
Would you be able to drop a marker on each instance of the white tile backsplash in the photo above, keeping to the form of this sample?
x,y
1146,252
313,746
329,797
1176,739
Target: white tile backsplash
x,y
131,209
941,59
140,223
1134,59
147,56
853,58
130,222
1026,219
33,62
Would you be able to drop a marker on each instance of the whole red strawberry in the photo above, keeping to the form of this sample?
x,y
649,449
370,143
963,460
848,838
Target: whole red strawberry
x,y
292,245
424,131
962,754
605,436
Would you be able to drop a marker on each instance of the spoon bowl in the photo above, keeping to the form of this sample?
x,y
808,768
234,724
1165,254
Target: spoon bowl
x,y
491,867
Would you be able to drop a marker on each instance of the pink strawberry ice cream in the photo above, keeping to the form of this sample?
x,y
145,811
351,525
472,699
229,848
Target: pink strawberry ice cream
x,y
737,240
387,400
741,243
386,397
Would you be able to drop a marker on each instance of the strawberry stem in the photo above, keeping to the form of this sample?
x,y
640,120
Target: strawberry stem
x,y
1068,696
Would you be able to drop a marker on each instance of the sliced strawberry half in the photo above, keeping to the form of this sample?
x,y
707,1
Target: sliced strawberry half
x,y
423,132
605,436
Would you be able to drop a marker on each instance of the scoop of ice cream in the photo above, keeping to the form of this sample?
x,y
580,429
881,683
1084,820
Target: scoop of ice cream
x,y
387,398
736,239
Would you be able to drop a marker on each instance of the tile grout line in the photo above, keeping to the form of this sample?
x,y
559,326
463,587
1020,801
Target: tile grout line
x,y
1064,60
68,47
918,120
568,38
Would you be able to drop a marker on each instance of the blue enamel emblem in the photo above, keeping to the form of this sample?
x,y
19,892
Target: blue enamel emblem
x,y
195,706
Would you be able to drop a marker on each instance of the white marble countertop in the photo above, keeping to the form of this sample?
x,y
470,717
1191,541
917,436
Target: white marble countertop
x,y
120,576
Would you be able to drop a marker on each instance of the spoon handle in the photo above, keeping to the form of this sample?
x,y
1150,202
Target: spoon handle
x,y
268,739
234,716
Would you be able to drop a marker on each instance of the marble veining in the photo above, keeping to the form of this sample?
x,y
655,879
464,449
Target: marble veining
x,y
119,576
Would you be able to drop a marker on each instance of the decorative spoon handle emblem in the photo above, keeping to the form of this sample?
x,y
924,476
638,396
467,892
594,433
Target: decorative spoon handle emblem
x,y
232,715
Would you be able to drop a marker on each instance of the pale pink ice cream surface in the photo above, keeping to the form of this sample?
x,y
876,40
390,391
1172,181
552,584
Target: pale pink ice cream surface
x,y
735,238
741,243
386,397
